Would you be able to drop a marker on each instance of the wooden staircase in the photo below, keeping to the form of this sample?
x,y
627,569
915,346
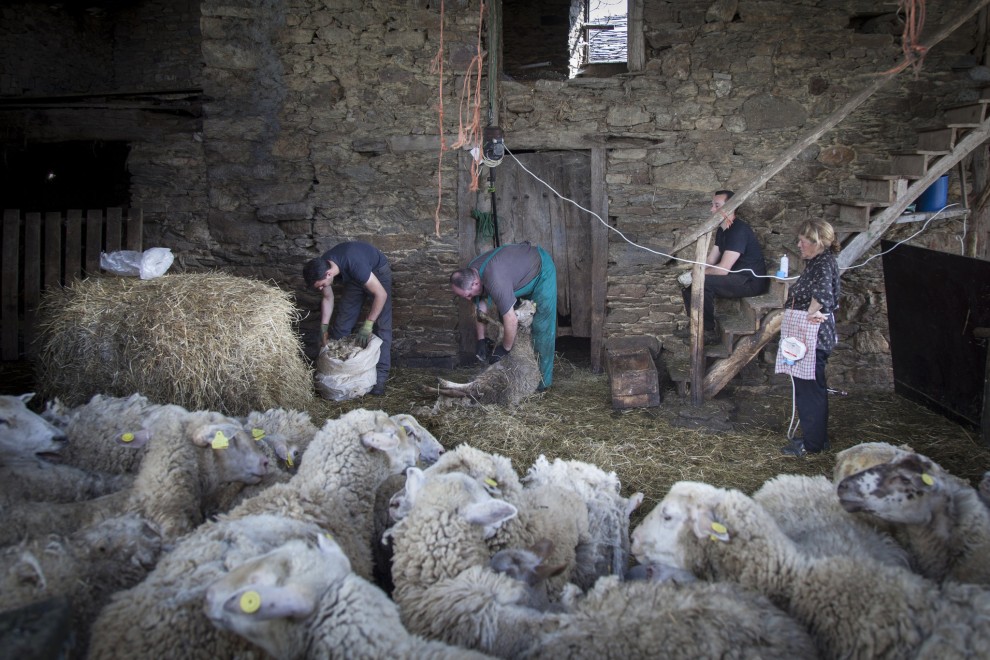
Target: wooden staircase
x,y
748,324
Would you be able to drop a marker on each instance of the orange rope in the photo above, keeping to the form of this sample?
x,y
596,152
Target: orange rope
x,y
470,105
914,23
438,68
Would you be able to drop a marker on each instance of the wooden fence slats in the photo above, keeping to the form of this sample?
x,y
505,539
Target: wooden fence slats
x,y
112,240
94,241
31,257
9,282
53,248
47,250
73,246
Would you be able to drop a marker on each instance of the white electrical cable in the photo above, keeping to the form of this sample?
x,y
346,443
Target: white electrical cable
x,y
792,427
691,261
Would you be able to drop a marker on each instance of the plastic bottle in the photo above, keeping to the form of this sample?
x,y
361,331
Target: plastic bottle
x,y
782,273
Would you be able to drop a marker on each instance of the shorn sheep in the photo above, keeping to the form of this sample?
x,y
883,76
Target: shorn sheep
x,y
303,601
332,492
853,607
939,519
446,590
505,383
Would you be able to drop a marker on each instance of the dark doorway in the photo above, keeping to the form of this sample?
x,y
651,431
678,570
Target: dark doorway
x,y
935,300
65,175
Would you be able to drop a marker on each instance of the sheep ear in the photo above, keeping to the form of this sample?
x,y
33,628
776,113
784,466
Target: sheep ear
x,y
266,602
488,512
414,483
26,397
385,440
216,436
706,526
134,439
633,503
329,548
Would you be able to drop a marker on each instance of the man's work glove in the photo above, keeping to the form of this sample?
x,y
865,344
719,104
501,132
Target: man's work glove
x,y
499,353
364,333
482,348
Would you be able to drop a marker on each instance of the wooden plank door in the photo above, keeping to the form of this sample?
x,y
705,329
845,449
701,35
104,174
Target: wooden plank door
x,y
527,210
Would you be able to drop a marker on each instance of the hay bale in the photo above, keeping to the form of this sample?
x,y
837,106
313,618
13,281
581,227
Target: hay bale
x,y
200,340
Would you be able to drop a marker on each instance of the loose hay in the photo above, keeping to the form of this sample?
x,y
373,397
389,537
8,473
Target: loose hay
x,y
652,448
205,341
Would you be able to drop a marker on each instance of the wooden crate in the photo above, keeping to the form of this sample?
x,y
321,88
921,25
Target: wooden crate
x,y
633,377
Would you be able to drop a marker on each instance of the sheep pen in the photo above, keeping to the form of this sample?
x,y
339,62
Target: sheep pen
x,y
205,341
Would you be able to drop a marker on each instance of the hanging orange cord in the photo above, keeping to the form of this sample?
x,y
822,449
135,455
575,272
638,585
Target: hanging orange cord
x,y
470,105
438,68
914,23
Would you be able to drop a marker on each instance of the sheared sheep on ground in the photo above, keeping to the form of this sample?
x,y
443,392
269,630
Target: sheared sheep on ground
x,y
505,383
808,511
853,607
333,492
939,519
301,601
86,568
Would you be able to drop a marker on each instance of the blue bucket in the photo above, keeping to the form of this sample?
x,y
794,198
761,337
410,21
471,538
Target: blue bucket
x,y
935,196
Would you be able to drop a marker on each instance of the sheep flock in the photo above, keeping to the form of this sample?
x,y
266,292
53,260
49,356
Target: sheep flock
x,y
137,530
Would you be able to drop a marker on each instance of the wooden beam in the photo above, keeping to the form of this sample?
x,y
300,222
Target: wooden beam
x,y
816,133
599,258
635,37
698,320
745,350
879,225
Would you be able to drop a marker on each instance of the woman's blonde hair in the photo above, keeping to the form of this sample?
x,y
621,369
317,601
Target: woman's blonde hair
x,y
819,232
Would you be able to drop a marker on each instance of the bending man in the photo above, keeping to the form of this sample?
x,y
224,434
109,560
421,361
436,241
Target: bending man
x,y
502,275
365,273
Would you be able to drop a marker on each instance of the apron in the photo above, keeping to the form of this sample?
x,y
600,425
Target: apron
x,y
542,290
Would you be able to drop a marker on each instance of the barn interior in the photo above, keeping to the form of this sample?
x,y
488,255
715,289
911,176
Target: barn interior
x,y
248,137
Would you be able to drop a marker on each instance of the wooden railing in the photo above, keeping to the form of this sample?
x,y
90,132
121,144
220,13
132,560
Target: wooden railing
x,y
41,250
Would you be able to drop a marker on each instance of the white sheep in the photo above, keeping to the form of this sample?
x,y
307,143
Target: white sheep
x,y
607,553
332,491
86,567
808,511
191,457
939,519
984,488
446,592
853,607
109,434
302,600
24,433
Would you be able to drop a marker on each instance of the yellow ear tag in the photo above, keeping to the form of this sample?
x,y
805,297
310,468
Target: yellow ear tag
x,y
927,479
328,537
719,528
220,441
288,460
491,482
258,434
127,437
250,602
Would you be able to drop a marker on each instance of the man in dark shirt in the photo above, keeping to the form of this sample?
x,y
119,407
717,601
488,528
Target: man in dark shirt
x,y
504,274
734,264
365,273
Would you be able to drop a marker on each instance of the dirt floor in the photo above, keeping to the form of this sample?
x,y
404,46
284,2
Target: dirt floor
x,y
732,441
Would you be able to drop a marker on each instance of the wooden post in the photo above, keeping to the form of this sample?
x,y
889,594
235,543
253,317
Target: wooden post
x,y
698,320
9,283
599,258
984,333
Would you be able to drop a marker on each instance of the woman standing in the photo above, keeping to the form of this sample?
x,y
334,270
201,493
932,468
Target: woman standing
x,y
816,290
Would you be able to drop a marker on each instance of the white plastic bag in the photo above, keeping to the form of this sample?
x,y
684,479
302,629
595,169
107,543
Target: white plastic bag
x,y
340,380
155,262
151,263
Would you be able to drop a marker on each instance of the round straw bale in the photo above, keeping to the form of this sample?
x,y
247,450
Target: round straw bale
x,y
205,341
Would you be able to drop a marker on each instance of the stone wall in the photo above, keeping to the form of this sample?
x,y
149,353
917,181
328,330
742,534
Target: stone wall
x,y
320,124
